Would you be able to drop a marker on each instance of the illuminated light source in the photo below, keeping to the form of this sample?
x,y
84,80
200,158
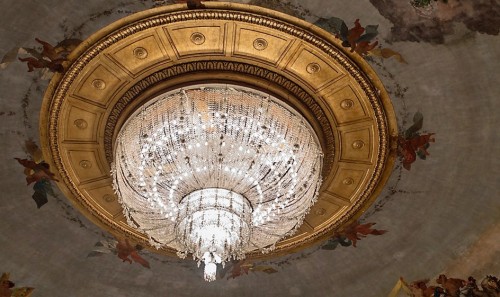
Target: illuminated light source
x,y
216,171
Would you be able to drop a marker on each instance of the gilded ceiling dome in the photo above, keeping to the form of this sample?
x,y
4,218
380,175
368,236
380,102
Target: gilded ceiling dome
x,y
132,81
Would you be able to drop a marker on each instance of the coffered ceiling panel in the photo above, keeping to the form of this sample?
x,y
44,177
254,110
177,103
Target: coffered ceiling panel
x,y
268,46
191,39
140,55
313,69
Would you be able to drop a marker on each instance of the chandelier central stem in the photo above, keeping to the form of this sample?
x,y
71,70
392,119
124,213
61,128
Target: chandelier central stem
x,y
214,225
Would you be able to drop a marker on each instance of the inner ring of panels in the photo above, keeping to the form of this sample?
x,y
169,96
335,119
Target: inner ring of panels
x,y
125,64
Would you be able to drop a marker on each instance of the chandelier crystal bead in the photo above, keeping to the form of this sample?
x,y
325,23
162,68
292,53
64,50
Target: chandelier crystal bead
x,y
216,171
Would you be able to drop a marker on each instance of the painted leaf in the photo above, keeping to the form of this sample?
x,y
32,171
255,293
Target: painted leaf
x,y
334,242
364,47
22,292
351,234
40,198
371,31
357,231
31,51
421,154
239,268
9,57
331,245
264,268
67,46
95,254
125,250
138,259
45,74
334,25
42,189
33,150
354,34
387,53
104,246
40,171
193,4
418,122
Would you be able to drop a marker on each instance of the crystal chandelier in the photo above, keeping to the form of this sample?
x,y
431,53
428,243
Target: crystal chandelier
x,y
216,171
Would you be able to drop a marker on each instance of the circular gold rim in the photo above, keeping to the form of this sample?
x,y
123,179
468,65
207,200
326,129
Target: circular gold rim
x,y
385,120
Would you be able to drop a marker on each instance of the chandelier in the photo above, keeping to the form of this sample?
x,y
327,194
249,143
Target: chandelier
x,y
216,171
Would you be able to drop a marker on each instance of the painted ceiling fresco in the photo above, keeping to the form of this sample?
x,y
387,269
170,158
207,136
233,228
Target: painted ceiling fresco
x,y
434,230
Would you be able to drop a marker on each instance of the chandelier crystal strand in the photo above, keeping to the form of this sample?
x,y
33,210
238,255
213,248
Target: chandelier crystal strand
x,y
216,172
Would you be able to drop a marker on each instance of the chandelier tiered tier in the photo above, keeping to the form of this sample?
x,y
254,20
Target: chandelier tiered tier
x,y
216,171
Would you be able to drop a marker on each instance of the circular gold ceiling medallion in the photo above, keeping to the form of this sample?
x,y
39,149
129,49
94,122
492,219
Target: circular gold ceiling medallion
x,y
260,44
313,68
99,84
198,38
121,67
140,53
